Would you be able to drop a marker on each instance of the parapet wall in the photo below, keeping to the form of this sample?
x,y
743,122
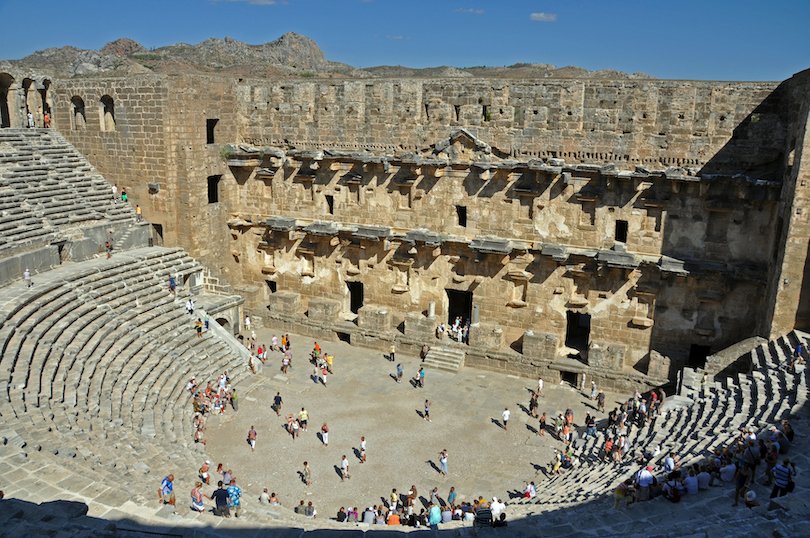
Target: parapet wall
x,y
655,123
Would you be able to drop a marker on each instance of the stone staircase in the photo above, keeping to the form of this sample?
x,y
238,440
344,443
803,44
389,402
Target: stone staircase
x,y
450,359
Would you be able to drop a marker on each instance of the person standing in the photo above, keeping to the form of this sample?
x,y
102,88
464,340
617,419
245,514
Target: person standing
x,y
138,213
197,498
27,278
247,323
443,462
234,497
166,491
400,371
205,475
344,468
251,438
505,417
362,449
277,402
30,118
124,196
325,434
307,474
541,425
46,120
426,415
303,418
392,352
540,385
422,378
220,498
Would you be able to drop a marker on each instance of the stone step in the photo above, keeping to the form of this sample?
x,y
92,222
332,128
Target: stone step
x,y
445,358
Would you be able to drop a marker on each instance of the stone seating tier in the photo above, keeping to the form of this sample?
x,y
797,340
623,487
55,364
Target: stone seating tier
x,y
46,186
101,347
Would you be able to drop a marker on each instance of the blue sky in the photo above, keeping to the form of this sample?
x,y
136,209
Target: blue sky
x,y
692,39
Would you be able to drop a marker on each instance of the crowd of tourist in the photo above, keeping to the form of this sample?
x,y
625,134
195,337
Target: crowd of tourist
x,y
736,464
659,475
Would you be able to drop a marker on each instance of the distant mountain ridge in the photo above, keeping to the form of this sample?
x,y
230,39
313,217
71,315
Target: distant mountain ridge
x,y
291,54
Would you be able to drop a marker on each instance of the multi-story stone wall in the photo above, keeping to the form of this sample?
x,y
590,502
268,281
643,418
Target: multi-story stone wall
x,y
545,207
639,122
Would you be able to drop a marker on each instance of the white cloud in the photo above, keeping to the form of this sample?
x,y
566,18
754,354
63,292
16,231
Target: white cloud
x,y
469,10
539,16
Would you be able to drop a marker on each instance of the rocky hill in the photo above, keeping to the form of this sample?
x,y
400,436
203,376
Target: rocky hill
x,y
289,55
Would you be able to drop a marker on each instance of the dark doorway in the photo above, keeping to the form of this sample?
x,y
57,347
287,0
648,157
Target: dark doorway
x,y
210,127
461,214
224,323
578,330
6,81
459,306
621,231
330,204
157,235
344,337
697,356
355,296
570,378
272,286
213,189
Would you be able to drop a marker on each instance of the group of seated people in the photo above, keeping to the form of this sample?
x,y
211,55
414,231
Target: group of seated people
x,y
736,463
400,510
213,399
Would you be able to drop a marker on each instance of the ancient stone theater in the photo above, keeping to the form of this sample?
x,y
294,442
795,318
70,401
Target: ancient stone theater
x,y
615,230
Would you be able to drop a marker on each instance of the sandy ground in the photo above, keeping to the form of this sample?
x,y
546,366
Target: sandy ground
x,y
363,399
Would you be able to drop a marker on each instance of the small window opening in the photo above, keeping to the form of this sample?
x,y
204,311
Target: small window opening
x,y
461,214
330,204
621,231
485,113
210,126
213,189
458,111
272,285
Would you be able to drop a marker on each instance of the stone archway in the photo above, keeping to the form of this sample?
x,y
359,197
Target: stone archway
x,y
8,109
225,324
78,116
106,116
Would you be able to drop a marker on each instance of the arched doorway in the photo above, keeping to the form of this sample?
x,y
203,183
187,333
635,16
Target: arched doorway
x,y
45,97
106,109
33,101
78,118
225,324
8,113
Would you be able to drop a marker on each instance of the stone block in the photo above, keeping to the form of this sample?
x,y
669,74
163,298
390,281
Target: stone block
x,y
418,326
659,367
374,317
486,336
537,345
605,356
284,302
322,309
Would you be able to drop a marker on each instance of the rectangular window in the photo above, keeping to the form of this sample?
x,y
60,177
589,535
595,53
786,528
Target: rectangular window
x,y
213,189
621,231
210,126
461,215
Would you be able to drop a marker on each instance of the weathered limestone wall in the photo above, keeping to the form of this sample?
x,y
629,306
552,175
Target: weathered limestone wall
x,y
789,285
133,154
643,122
727,230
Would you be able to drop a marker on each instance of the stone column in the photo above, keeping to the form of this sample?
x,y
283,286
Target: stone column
x,y
431,309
